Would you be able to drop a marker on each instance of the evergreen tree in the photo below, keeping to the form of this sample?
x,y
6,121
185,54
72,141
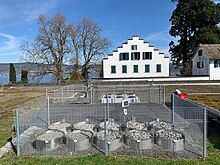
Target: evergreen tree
x,y
194,22
24,76
12,74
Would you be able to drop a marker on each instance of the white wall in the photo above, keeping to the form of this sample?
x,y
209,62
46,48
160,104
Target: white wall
x,y
203,71
214,72
141,47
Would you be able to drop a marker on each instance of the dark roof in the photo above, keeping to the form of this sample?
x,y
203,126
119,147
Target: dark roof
x,y
211,50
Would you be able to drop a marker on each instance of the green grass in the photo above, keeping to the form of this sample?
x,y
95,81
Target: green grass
x,y
5,131
213,159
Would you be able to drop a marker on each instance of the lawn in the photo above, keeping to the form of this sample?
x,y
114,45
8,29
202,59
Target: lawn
x,y
208,100
29,95
213,159
6,131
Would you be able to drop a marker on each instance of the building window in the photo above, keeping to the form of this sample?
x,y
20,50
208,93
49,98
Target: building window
x,y
113,69
147,55
123,56
216,63
200,64
158,69
200,53
133,47
135,68
147,68
135,56
124,68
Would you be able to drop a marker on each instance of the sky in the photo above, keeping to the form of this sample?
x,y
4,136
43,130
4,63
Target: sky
x,y
119,19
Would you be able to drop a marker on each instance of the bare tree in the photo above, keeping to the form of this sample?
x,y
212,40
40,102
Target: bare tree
x,y
50,48
57,42
88,44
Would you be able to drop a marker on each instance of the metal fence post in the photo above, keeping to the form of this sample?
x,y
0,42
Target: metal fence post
x,y
159,94
68,88
48,111
105,132
46,92
164,95
107,106
173,108
205,133
62,93
149,93
17,133
124,91
91,95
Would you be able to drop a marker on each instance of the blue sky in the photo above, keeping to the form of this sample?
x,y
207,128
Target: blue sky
x,y
119,19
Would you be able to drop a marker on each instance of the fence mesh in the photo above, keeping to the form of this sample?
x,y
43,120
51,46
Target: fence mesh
x,y
193,126
67,126
116,93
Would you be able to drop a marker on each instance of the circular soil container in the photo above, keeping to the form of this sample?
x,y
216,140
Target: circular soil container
x,y
114,140
170,140
156,125
138,139
111,125
61,126
78,140
135,125
49,140
84,125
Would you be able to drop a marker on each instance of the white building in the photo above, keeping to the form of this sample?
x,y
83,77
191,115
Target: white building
x,y
135,59
206,61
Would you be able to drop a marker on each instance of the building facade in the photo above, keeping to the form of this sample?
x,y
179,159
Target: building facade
x,y
135,59
206,61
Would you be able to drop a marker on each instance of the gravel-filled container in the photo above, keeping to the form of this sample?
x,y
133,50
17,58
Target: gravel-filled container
x,y
49,140
61,126
138,139
113,140
110,125
84,125
170,140
135,125
78,140
156,125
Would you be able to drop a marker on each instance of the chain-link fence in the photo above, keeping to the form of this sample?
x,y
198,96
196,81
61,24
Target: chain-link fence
x,y
96,93
145,128
71,92
194,125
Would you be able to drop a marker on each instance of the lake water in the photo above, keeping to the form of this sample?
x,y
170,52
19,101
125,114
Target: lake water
x,y
31,79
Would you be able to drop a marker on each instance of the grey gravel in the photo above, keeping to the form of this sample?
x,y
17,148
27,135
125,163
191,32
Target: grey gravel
x,y
50,135
135,125
112,135
62,126
139,135
168,134
85,125
111,125
160,124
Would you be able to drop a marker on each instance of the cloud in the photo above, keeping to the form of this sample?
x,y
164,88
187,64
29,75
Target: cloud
x,y
16,12
161,41
9,45
216,1
163,35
